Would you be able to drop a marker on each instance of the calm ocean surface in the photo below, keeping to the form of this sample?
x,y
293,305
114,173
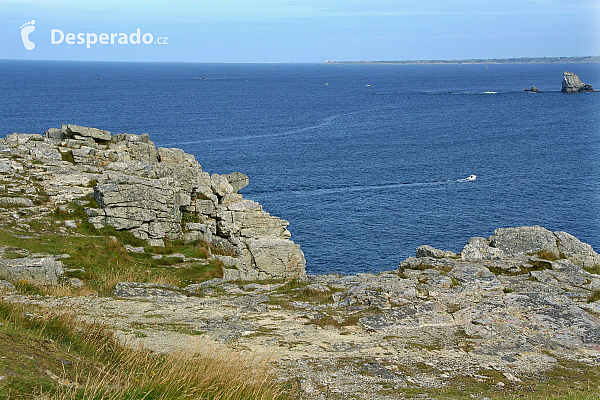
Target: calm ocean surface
x,y
363,173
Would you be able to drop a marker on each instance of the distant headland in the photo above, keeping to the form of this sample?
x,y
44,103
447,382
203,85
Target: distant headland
x,y
486,61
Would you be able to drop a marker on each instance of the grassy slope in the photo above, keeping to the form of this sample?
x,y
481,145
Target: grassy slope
x,y
100,260
57,357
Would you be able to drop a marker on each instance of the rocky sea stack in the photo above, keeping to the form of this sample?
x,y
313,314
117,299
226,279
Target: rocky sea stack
x,y
571,83
532,89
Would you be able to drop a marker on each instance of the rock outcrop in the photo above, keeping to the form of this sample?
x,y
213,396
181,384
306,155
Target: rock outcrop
x,y
571,83
532,89
40,271
528,241
156,194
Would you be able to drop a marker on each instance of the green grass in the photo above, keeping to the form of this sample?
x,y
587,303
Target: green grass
x,y
57,357
532,265
546,255
424,266
594,297
296,290
593,269
68,156
105,261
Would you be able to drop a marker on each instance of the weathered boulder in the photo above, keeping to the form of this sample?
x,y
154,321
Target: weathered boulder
x,y
571,83
171,156
479,248
524,240
238,181
246,218
86,132
275,258
220,185
16,201
40,271
429,251
575,250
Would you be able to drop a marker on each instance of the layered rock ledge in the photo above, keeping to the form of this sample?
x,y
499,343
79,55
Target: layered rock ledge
x,y
156,194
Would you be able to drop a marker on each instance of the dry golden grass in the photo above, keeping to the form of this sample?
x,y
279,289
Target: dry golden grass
x,y
98,366
199,370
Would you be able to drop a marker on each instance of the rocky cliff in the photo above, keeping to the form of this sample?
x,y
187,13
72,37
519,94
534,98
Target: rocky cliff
x,y
571,83
517,312
156,194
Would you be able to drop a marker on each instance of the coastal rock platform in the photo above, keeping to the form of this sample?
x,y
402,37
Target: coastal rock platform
x,y
508,312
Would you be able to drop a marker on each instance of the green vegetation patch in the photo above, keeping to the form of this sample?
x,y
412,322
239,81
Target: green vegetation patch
x,y
99,258
595,269
68,156
532,265
424,266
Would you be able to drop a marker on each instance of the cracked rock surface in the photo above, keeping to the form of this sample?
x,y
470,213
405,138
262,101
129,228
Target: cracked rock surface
x,y
155,193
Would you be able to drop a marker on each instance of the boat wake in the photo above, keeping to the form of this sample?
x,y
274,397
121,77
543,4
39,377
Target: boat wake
x,y
357,188
292,132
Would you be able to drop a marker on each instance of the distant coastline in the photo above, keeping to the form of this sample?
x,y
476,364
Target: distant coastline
x,y
485,61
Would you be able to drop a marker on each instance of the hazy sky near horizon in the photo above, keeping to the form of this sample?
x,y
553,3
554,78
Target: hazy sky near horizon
x,y
305,30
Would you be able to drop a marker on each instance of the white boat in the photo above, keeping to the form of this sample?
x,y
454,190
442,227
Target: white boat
x,y
472,177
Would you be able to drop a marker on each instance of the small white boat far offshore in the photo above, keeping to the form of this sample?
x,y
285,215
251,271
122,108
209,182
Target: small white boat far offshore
x,y
472,177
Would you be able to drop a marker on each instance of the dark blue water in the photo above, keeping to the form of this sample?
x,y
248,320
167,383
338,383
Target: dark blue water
x,y
364,174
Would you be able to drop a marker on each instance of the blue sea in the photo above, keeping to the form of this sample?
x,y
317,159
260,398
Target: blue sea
x,y
367,162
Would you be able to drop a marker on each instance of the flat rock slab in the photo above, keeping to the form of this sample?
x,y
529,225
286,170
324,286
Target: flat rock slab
x,y
94,133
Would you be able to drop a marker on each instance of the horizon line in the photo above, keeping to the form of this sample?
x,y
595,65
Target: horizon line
x,y
330,61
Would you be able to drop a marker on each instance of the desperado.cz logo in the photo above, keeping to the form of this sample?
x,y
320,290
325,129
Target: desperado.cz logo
x,y
89,39
57,37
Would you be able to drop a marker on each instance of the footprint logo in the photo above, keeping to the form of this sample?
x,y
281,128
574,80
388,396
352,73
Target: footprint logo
x,y
26,29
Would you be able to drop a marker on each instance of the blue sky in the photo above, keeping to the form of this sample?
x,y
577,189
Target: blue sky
x,y
306,30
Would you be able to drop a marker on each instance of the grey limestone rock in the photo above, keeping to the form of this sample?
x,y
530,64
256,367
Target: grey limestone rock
x,y
132,249
238,181
6,286
220,185
571,83
275,257
524,240
575,250
148,290
512,243
478,248
157,195
86,132
75,282
16,201
429,251
40,271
